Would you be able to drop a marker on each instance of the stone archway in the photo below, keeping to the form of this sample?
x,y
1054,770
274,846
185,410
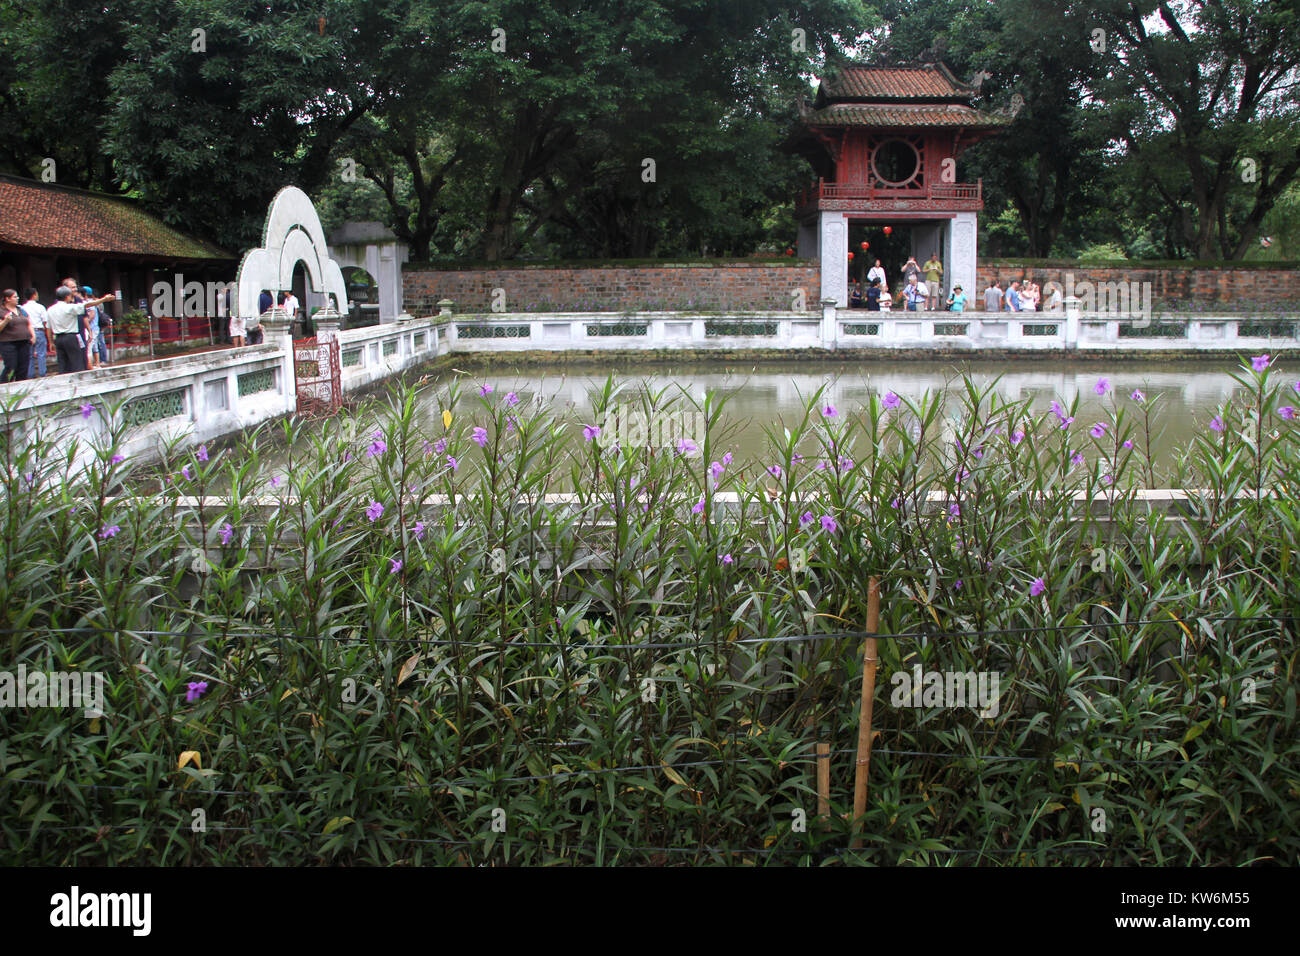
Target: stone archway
x,y
292,234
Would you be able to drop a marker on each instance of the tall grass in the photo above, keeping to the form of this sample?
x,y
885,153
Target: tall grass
x,y
409,662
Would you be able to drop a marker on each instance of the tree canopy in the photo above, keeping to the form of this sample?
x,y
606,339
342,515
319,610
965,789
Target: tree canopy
x,y
507,129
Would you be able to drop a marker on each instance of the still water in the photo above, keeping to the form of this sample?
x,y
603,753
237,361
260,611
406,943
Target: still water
x,y
1186,394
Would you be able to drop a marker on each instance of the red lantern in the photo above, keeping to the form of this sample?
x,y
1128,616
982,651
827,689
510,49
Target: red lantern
x,y
888,230
789,252
866,246
850,257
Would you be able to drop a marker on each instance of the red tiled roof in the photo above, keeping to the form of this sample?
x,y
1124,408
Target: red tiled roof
x,y
45,216
927,81
904,116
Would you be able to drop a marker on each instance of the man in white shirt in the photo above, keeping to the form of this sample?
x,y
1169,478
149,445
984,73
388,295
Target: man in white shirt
x,y
37,319
61,320
878,272
291,305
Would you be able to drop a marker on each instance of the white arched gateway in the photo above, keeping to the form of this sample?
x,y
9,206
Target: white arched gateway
x,y
293,234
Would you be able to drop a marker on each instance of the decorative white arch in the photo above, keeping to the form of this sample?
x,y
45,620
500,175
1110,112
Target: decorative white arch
x,y
293,232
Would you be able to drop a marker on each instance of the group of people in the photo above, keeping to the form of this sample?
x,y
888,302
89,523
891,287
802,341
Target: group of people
x,y
72,328
248,330
918,294
1020,296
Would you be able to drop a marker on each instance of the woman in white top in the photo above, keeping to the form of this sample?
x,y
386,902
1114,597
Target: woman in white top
x,y
878,272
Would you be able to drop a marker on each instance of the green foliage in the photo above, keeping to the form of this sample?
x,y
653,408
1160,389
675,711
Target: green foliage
x,y
589,671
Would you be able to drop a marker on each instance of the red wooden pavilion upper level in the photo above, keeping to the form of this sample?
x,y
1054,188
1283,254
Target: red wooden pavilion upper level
x,y
884,142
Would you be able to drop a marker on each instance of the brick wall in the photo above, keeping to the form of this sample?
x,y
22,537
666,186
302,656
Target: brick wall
x,y
758,286
767,286
1206,286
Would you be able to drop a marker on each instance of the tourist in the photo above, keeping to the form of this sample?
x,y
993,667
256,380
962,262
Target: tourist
x,y
957,300
878,272
933,269
910,270
42,345
993,297
1054,299
237,330
290,303
855,295
264,302
912,295
64,319
16,338
924,291
1029,296
1013,297
873,296
93,315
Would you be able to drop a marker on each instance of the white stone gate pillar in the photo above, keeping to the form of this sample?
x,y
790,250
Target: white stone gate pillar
x,y
833,249
959,270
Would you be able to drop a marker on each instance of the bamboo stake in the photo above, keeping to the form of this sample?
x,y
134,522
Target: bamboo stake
x,y
823,781
869,662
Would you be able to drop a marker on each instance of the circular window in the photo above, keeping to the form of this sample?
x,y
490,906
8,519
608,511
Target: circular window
x,y
896,162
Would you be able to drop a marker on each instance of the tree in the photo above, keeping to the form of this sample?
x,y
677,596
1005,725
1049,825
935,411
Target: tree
x,y
1211,91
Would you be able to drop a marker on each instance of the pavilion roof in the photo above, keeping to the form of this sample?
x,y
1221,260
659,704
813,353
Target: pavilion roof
x,y
904,116
54,218
923,82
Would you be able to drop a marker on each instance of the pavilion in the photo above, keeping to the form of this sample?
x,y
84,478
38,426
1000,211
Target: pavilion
x,y
884,142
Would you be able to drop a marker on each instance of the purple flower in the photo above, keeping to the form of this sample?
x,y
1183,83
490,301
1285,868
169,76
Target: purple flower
x,y
227,532
87,410
698,507
275,481
1106,479
30,478
828,523
374,511
726,559
195,690
962,476
1057,410
203,453
1038,587
452,463
108,531
1216,423
805,519
891,400
485,390
954,509
1138,395
511,399
394,565
590,432
419,530
774,471
1259,362
185,473
440,446
829,411
686,446
1127,443
1296,386
1067,422
480,437
716,469
117,459
845,463
796,458
957,585
1287,412
1102,386
1017,437
377,447
1076,458
896,503
726,459
1098,430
